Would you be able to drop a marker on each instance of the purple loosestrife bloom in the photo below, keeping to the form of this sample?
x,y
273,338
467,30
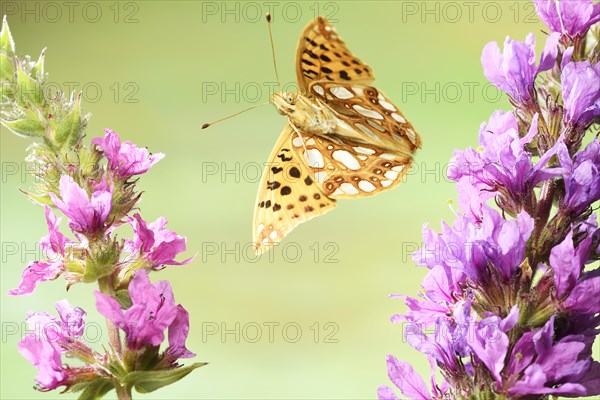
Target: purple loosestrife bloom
x,y
442,295
581,177
514,71
562,368
574,287
153,310
156,244
580,83
43,348
569,17
503,165
178,333
411,385
53,247
86,214
472,247
125,158
490,342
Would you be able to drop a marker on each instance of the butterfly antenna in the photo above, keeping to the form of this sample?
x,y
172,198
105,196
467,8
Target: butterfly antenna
x,y
206,125
268,15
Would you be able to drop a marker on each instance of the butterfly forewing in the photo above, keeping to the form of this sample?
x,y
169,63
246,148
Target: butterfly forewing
x,y
287,195
322,55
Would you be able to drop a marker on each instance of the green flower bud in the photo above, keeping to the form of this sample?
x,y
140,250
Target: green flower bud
x,y
101,261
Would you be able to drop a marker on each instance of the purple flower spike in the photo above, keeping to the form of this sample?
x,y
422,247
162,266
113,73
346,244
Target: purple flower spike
x,y
125,158
158,245
514,71
86,214
570,17
153,310
581,92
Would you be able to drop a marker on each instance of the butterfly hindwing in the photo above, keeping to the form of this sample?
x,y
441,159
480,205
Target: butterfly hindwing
x,y
343,169
287,195
368,112
322,55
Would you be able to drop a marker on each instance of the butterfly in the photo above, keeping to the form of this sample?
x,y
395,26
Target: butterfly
x,y
343,138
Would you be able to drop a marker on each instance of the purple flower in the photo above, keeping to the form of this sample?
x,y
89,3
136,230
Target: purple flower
x,y
490,342
86,214
125,158
503,165
580,84
53,247
514,71
442,295
156,244
411,385
44,347
562,368
573,286
569,17
178,333
152,311
406,379
472,247
581,177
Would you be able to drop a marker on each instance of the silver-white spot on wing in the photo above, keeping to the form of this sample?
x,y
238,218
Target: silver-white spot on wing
x,y
364,150
366,112
314,158
347,159
348,188
366,186
398,117
341,92
391,175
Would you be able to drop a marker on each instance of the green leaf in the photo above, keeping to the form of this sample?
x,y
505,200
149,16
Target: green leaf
x,y
149,381
69,128
7,44
28,89
25,127
37,71
93,390
7,70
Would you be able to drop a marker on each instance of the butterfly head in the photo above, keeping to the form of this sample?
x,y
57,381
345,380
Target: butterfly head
x,y
285,102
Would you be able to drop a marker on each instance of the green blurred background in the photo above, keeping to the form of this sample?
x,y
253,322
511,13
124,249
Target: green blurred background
x,y
154,72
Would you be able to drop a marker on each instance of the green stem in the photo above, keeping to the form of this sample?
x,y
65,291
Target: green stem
x,y
123,392
544,207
